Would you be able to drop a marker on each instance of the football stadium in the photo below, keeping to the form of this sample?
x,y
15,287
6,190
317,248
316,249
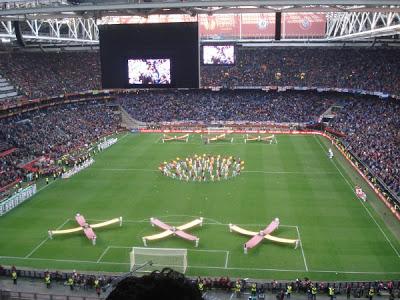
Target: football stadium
x,y
169,149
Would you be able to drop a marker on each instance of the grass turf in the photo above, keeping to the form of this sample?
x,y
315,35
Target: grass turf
x,y
342,238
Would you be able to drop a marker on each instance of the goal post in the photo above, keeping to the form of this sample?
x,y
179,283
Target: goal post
x,y
175,259
218,134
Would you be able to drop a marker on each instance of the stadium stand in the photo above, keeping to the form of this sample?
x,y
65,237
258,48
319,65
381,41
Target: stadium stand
x,y
38,74
7,90
48,74
372,128
52,132
368,69
206,106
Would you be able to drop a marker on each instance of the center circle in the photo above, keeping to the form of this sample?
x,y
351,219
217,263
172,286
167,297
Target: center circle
x,y
203,168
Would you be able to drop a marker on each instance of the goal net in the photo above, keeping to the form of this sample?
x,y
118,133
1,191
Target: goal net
x,y
175,259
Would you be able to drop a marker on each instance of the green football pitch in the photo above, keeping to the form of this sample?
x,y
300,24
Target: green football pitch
x,y
341,237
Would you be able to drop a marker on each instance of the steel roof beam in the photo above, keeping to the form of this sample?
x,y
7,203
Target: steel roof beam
x,y
321,4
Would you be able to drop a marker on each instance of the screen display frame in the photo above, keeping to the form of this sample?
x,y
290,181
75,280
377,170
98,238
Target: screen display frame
x,y
216,45
178,42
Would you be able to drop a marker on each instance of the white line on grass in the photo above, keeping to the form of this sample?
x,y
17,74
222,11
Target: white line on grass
x,y
245,171
64,260
226,259
45,186
198,267
301,247
124,170
204,223
124,136
285,172
102,255
362,203
193,250
45,240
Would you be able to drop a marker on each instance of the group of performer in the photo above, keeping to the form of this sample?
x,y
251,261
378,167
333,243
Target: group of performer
x,y
203,168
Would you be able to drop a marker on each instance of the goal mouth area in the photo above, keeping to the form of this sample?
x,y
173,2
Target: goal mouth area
x,y
147,260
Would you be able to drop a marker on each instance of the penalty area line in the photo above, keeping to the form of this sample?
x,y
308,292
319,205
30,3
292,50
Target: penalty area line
x,y
45,240
301,247
227,259
102,255
362,203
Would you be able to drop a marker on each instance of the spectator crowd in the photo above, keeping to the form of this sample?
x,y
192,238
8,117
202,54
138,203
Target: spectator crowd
x,y
52,133
354,68
372,130
38,74
158,106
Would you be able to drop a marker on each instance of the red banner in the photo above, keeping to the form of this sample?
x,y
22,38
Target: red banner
x,y
257,25
239,26
219,26
303,25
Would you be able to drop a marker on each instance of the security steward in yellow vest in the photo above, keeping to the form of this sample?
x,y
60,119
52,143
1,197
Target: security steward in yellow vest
x,y
331,292
97,287
201,287
254,289
371,293
70,282
47,280
14,277
314,292
238,288
289,291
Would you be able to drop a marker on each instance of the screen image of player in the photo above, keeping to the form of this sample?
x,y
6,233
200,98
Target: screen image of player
x,y
149,71
219,55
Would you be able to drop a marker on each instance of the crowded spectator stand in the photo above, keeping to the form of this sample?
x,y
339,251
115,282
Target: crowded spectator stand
x,y
301,286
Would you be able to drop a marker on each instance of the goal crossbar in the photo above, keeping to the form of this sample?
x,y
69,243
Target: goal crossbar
x,y
174,258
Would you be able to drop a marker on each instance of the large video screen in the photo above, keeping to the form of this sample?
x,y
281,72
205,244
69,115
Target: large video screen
x,y
149,71
149,55
219,55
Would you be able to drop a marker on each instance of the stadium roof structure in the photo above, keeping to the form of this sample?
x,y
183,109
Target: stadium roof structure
x,y
75,21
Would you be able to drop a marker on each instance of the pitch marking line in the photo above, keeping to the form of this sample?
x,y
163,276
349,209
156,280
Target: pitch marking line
x,y
198,267
301,247
45,240
102,255
362,203
245,171
205,223
227,259
124,136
